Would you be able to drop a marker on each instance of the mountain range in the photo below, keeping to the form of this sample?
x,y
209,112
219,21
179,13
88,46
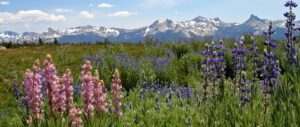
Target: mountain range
x,y
168,30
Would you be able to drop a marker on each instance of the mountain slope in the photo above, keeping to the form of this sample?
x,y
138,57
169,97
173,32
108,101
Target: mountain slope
x,y
167,30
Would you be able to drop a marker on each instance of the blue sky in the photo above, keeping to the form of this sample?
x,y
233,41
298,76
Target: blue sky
x,y
38,15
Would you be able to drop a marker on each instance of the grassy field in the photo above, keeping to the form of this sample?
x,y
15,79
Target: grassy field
x,y
15,61
174,69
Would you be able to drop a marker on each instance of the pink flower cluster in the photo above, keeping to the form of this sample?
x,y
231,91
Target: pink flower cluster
x,y
32,88
100,96
51,79
116,92
60,92
67,81
88,89
76,121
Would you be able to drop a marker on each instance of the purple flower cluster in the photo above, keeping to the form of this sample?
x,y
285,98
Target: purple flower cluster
x,y
165,90
270,69
254,56
16,89
119,60
221,63
290,24
213,68
241,84
126,61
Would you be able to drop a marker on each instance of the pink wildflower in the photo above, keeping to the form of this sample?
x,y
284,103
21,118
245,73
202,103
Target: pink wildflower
x,y
32,87
51,80
88,89
60,95
76,121
100,96
67,81
116,92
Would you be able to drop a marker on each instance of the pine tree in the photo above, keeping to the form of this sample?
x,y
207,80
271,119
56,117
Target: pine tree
x,y
55,41
41,42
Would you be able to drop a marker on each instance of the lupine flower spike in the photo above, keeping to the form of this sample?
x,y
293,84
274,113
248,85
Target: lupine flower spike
x,y
16,88
74,114
220,64
51,80
270,69
206,69
88,89
240,68
33,95
254,61
60,104
100,96
116,92
68,84
291,53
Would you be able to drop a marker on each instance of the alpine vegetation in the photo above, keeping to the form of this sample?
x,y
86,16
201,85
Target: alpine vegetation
x,y
241,83
61,105
193,83
291,53
254,58
116,92
32,91
207,67
220,50
270,69
213,68
88,89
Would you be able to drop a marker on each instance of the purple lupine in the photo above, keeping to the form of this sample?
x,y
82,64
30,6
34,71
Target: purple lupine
x,y
33,96
161,63
77,89
240,68
220,62
254,61
88,89
291,53
213,67
126,61
206,67
270,69
96,60
16,88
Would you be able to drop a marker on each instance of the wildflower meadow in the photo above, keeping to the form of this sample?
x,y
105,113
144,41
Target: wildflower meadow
x,y
249,81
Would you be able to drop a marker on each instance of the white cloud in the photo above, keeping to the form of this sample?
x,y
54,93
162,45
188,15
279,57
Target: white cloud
x,y
62,10
85,14
105,5
29,16
122,14
27,25
4,2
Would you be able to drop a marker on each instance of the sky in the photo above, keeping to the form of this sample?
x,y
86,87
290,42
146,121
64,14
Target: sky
x,y
38,15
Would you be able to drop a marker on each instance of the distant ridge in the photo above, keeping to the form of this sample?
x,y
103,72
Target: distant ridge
x,y
167,30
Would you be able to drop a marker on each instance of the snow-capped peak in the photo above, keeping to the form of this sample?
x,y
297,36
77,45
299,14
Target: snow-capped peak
x,y
166,29
200,19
